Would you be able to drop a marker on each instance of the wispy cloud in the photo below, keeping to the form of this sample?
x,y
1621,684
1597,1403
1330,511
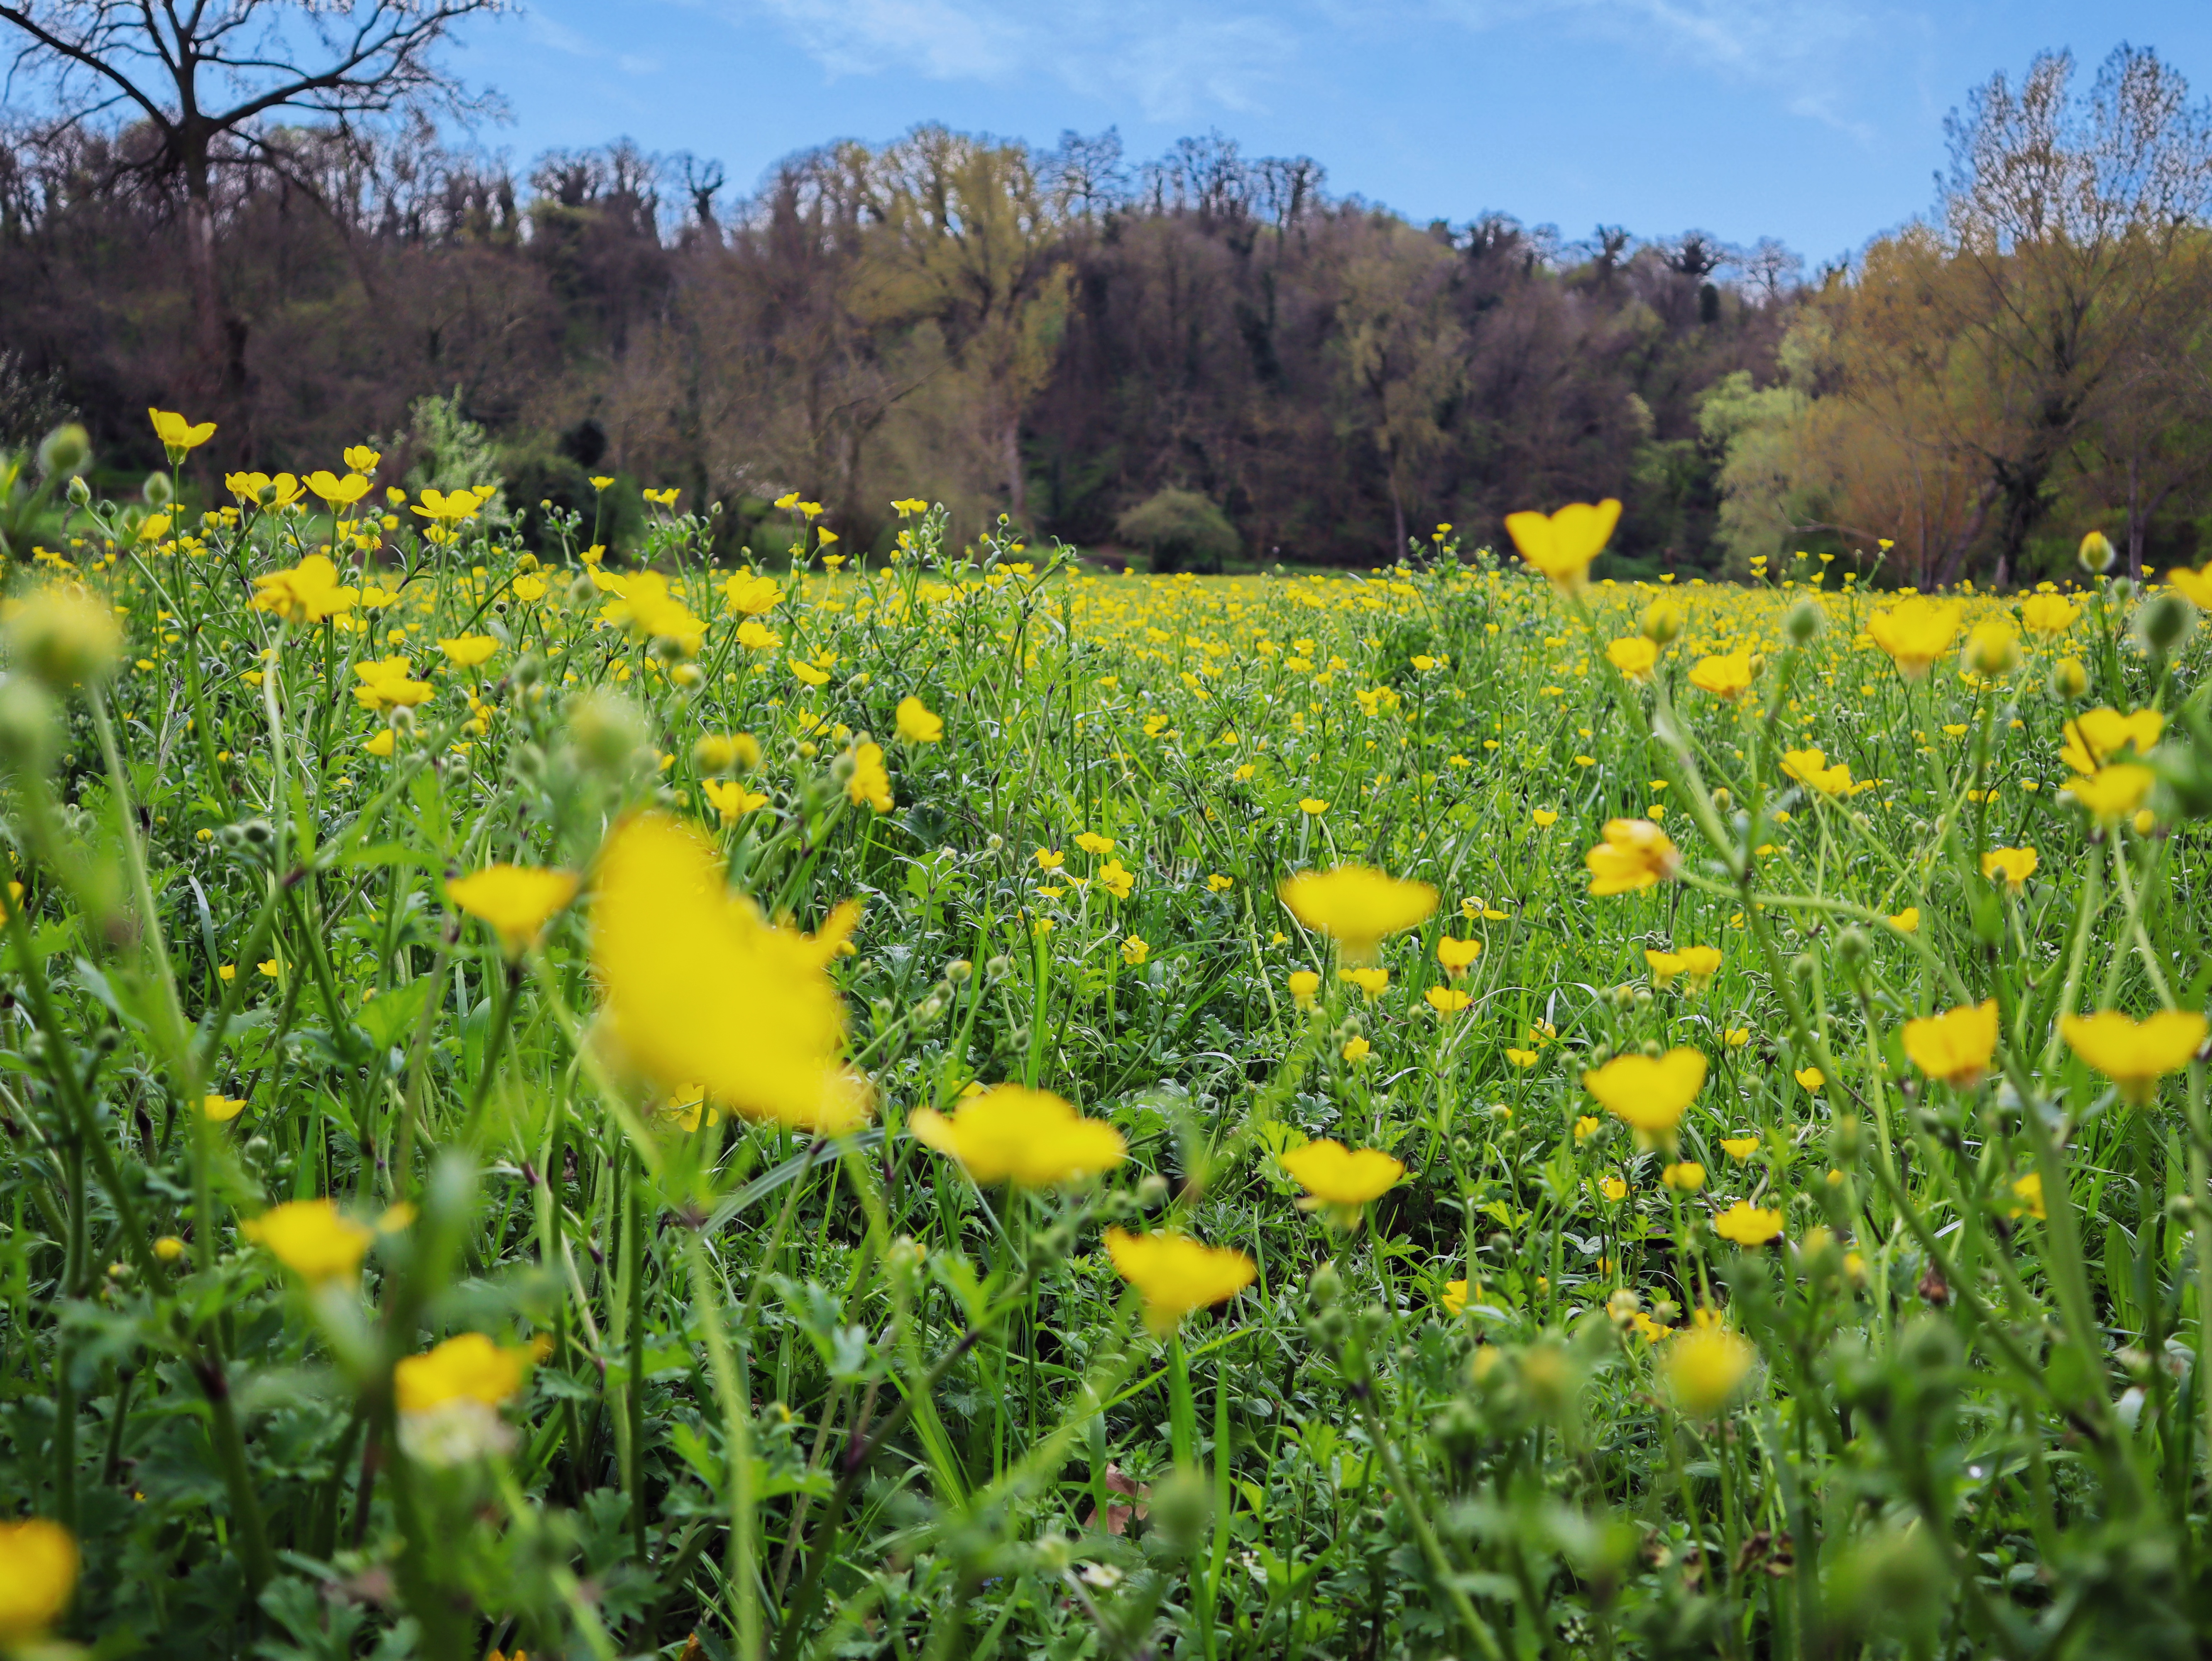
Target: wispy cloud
x,y
1174,60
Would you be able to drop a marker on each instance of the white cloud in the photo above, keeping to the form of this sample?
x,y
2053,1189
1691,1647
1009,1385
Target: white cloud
x,y
1762,39
1176,60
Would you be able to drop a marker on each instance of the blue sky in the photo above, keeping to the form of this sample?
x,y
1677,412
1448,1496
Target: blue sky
x,y
1817,121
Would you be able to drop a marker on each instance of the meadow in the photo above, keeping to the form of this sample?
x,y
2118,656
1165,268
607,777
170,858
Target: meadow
x,y
961,1107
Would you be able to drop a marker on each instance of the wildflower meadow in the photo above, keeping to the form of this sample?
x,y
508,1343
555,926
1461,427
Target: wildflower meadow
x,y
950,1104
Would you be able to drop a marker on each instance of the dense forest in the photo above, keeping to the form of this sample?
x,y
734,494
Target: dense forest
x,y
1207,356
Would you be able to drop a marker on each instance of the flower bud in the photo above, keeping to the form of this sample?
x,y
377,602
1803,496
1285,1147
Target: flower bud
x,y
606,728
27,728
67,450
2163,622
159,490
2096,553
1803,621
80,493
64,636
2069,681
1992,650
1663,620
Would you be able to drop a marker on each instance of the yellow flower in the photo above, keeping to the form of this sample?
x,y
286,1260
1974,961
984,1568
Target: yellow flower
x,y
1915,632
1447,999
313,1238
2113,794
1705,1366
2096,736
360,458
731,799
1647,1093
469,650
1455,1299
64,636
382,743
1739,1148
1635,854
1050,859
1313,805
1810,768
1031,1138
1135,950
260,490
1458,955
222,1108
755,638
2014,865
1304,986
468,1367
169,1249
1356,906
1093,843
1727,676
2195,587
335,491
2135,1055
1544,818
1522,1058
1685,1175
1357,1048
1337,1176
1373,981
2030,1190
517,900
1562,544
1811,1077
1956,1046
37,1577
1663,966
1220,885
1700,964
1735,1037
699,988
448,510
1116,878
1587,1127
2048,614
309,593
1176,1275
178,435
1906,922
916,725
1992,650
1747,1225
869,783
387,683
1633,656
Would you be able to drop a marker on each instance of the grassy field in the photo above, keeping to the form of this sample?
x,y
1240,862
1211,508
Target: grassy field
x,y
970,1110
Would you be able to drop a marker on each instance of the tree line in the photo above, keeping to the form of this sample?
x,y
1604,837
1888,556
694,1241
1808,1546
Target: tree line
x,y
1206,355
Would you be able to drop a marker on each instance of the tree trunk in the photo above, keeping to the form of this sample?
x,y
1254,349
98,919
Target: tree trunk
x,y
206,281
1011,442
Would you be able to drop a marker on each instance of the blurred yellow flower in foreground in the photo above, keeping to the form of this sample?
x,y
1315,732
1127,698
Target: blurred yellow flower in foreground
x,y
1562,546
466,1367
2135,1055
517,900
313,1238
1635,854
1335,1175
1305,984
1356,906
1705,1365
916,724
1726,676
1633,656
2048,614
1915,632
37,1577
222,1108
1031,1138
699,987
2095,736
1647,1093
1956,1046
869,783
1175,1275
64,636
2113,794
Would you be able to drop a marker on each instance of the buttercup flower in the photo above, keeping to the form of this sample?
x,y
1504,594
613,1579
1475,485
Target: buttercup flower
x,y
1915,632
1635,854
335,491
1649,1093
2097,736
1304,985
730,799
1956,1046
1031,1138
1562,546
1446,1000
309,593
178,435
37,1578
1176,1276
449,1398
1739,1148
468,651
1727,676
1373,981
1633,656
1810,768
1134,950
2048,614
1705,1366
2013,866
518,901
1337,1176
916,725
1685,1176
313,1238
1811,1078
870,784
1747,1225
2113,794
1116,878
1357,907
2135,1055
699,988
1458,955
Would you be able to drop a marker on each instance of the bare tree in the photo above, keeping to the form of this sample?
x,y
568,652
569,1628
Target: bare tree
x,y
206,80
